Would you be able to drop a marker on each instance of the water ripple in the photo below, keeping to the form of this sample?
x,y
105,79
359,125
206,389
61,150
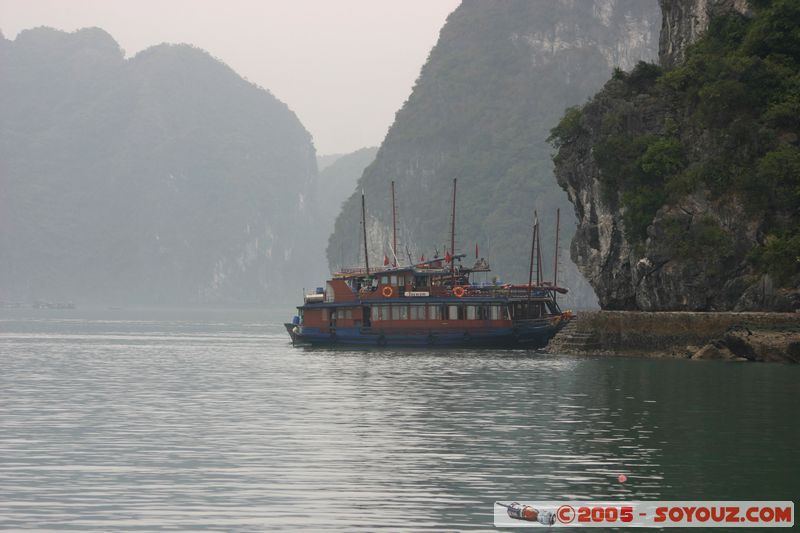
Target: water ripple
x,y
221,424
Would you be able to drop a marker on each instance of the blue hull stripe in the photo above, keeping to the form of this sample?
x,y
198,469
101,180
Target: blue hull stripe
x,y
500,337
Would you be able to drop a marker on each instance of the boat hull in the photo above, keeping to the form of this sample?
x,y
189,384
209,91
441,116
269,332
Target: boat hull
x,y
291,329
533,335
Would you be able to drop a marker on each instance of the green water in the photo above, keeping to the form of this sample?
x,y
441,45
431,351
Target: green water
x,y
211,420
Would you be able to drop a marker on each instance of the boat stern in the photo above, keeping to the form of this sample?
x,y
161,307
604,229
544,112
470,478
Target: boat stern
x,y
293,328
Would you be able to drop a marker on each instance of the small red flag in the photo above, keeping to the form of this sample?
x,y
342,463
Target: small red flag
x,y
476,250
422,258
385,260
447,257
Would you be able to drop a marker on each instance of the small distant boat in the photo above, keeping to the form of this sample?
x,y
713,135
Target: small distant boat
x,y
430,303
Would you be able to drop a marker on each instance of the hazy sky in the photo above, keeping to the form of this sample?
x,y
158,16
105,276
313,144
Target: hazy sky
x,y
344,66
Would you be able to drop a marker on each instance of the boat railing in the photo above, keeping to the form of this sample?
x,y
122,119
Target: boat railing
x,y
509,292
496,291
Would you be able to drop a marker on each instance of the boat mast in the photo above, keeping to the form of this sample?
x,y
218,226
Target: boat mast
x,y
364,224
533,254
539,268
453,235
555,261
394,228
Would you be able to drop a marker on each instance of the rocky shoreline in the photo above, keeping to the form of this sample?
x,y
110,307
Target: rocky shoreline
x,y
762,337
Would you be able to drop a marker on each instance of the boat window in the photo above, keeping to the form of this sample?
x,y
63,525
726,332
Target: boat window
x,y
452,312
494,312
471,312
399,312
434,312
417,312
324,315
375,313
329,294
384,280
348,314
393,280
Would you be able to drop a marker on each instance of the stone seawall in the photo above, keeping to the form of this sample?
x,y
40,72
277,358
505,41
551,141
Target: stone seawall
x,y
683,335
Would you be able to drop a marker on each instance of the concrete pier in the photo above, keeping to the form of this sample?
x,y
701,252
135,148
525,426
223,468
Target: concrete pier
x,y
670,334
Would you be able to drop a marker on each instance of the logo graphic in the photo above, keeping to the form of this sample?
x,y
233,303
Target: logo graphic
x,y
529,513
703,514
566,514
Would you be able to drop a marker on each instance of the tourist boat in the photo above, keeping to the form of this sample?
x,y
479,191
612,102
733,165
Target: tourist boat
x,y
430,303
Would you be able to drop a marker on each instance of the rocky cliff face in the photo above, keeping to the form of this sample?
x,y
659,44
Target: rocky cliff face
x,y
646,165
493,86
649,277
685,21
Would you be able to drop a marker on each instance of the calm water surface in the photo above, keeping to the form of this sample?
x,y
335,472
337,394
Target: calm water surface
x,y
211,420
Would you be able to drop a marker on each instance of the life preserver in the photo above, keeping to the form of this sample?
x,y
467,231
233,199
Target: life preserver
x,y
458,292
387,291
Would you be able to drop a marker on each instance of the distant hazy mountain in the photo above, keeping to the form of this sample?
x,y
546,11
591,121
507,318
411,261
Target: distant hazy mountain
x,y
324,161
337,181
165,178
494,85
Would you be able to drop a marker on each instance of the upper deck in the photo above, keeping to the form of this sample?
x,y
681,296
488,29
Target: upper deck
x,y
429,281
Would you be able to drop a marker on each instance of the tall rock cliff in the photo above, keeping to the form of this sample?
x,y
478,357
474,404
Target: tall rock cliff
x,y
164,178
685,180
493,86
685,21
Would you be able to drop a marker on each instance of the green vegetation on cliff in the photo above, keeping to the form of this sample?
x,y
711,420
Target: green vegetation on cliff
x,y
726,120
